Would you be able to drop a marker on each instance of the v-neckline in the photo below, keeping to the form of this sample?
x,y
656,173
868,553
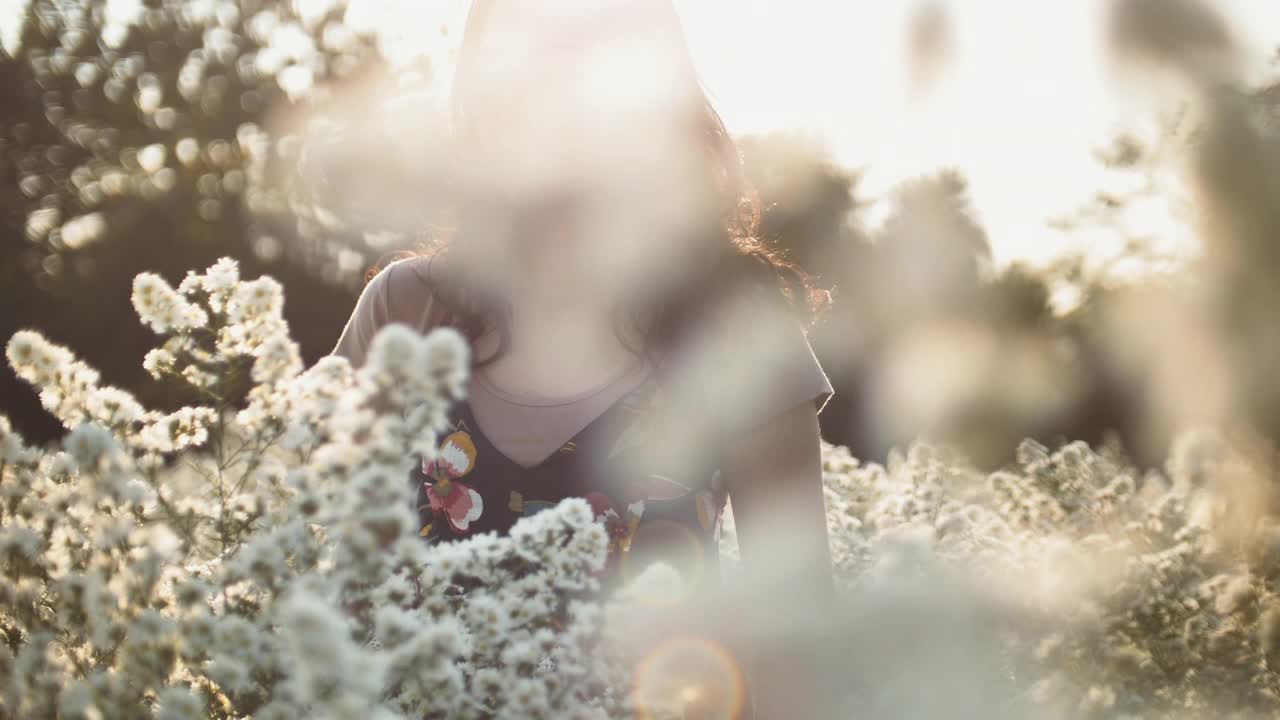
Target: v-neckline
x,y
644,388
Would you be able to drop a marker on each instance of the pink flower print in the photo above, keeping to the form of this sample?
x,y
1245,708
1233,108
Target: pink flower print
x,y
460,504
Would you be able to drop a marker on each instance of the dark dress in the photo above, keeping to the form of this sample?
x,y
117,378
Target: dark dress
x,y
632,462
653,506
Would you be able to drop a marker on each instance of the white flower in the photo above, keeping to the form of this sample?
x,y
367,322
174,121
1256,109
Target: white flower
x,y
39,361
286,549
393,353
112,406
319,641
255,299
220,281
158,361
88,444
276,359
177,703
230,671
161,307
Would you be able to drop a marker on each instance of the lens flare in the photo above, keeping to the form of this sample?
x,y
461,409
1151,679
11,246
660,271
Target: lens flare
x,y
694,676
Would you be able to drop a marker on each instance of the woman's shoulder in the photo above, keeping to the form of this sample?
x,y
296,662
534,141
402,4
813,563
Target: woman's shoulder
x,y
408,286
405,272
749,362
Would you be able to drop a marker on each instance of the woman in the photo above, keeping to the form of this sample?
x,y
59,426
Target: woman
x,y
633,342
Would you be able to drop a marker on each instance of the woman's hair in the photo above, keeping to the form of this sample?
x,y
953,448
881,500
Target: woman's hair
x,y
729,258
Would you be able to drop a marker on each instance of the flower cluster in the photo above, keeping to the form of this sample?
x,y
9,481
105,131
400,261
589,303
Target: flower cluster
x,y
1111,592
257,555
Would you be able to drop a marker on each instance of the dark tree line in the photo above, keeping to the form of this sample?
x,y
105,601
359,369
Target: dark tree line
x,y
158,148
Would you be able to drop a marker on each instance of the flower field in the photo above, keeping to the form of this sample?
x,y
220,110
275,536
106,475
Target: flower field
x,y
258,558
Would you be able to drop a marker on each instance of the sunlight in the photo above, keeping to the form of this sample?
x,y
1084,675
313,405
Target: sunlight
x,y
411,29
941,384
845,78
1023,88
1020,92
843,74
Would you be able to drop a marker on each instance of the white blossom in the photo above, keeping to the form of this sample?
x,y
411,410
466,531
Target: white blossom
x,y
265,557
162,308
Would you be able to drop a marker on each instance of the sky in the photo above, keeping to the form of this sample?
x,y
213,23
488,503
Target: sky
x,y
1019,100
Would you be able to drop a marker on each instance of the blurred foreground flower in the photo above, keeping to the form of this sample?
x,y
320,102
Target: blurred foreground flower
x,y
257,555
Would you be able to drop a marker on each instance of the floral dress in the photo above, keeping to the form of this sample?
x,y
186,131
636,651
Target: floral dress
x,y
653,506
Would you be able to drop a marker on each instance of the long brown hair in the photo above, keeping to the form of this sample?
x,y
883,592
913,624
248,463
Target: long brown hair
x,y
728,258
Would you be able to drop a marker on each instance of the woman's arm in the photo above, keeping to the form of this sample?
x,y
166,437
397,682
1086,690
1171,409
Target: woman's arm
x,y
774,478
371,312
